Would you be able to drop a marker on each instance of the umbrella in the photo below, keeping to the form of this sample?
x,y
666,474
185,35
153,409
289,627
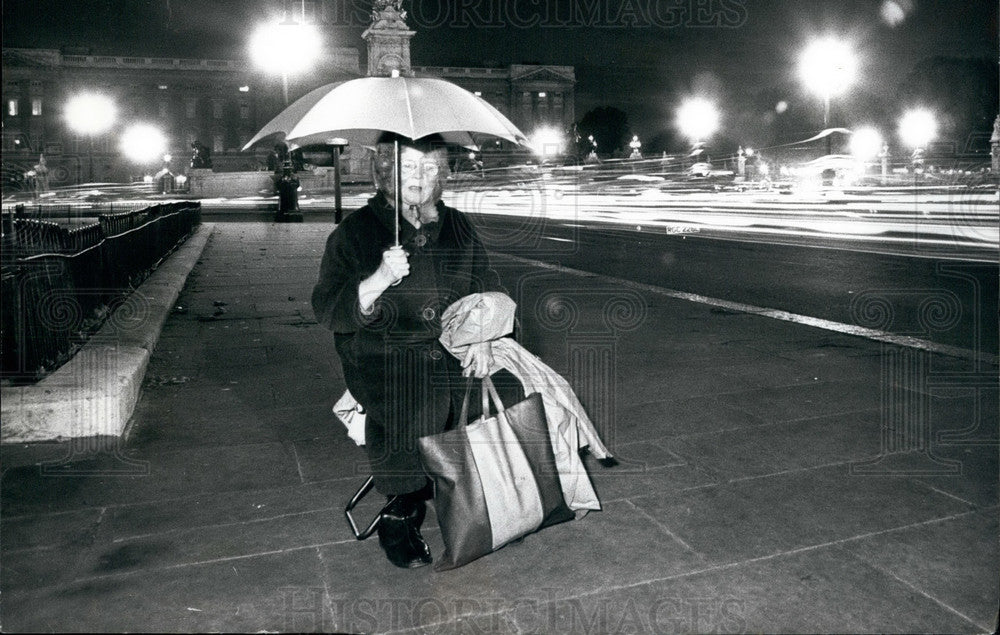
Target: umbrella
x,y
414,107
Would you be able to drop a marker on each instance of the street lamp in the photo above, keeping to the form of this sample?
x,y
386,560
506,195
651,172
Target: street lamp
x,y
866,143
143,143
338,144
635,144
90,114
827,68
286,48
917,128
547,142
697,119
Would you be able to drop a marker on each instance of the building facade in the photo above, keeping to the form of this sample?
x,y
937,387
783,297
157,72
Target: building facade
x,y
219,103
222,103
531,96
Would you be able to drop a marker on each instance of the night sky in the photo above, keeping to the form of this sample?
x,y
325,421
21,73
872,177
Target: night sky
x,y
741,52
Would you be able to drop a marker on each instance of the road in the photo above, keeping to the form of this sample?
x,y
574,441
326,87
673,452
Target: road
x,y
943,300
921,265
919,262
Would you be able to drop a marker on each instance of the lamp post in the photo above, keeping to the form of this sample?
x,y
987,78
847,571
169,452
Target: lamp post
x,y
547,143
866,144
90,114
635,144
143,143
917,128
697,119
828,68
285,48
338,146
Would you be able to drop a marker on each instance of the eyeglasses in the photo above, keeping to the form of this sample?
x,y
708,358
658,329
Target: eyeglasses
x,y
428,168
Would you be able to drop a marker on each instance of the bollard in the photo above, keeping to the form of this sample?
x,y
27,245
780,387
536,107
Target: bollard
x,y
288,198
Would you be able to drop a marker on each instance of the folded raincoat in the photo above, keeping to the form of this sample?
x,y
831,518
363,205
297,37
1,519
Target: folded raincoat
x,y
489,317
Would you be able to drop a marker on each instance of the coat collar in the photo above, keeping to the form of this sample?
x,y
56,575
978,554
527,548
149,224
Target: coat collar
x,y
385,213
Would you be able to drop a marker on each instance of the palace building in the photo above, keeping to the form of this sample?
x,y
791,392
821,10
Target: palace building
x,y
222,103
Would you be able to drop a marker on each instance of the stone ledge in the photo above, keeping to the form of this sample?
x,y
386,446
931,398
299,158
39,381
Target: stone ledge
x,y
95,392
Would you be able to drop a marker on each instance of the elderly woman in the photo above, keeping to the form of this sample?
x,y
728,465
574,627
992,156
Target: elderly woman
x,y
383,304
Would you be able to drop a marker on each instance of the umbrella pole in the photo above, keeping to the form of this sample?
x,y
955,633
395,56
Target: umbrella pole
x,y
398,180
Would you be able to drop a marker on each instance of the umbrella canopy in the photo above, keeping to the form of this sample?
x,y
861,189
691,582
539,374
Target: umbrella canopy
x,y
414,107
361,110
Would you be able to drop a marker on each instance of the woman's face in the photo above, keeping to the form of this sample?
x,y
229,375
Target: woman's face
x,y
422,174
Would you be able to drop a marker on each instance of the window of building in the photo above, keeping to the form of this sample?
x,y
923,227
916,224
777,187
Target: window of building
x,y
244,110
162,110
218,144
217,108
190,107
36,106
12,107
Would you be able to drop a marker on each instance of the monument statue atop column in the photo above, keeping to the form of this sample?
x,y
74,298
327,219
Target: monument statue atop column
x,y
388,39
388,14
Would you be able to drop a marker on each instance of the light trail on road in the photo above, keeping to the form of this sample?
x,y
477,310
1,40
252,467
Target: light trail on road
x,y
962,221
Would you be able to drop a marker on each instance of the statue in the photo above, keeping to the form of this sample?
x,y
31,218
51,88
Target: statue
x,y
201,157
388,14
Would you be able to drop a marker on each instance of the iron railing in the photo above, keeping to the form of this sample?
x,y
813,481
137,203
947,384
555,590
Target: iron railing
x,y
59,283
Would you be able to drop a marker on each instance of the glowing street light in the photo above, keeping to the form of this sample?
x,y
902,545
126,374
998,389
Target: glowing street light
x,y
143,143
698,119
828,67
90,114
917,128
286,48
547,142
866,143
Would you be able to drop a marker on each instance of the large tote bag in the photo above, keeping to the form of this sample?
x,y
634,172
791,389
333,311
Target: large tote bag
x,y
495,480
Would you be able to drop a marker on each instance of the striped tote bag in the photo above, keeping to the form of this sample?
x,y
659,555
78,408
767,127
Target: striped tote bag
x,y
495,480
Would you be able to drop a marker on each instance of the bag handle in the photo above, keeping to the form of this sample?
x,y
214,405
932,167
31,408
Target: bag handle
x,y
488,391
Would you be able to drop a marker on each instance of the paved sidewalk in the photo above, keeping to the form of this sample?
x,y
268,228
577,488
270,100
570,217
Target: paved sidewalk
x,y
749,496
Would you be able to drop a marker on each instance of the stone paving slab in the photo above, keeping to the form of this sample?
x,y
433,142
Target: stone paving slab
x,y
238,595
975,481
138,474
763,515
676,417
952,560
784,446
575,554
820,590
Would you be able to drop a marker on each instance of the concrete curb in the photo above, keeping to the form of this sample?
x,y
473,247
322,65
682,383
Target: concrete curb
x,y
96,391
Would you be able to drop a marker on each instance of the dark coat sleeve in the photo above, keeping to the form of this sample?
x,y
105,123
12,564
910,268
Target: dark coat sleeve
x,y
335,296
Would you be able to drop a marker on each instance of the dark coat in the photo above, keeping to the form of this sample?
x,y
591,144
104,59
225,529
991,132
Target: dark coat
x,y
392,360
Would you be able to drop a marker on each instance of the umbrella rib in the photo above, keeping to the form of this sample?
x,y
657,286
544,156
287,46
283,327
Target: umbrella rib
x,y
409,109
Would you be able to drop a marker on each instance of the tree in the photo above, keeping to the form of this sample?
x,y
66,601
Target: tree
x,y
608,125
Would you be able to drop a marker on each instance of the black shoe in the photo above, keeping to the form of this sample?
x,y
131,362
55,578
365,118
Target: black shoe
x,y
399,533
